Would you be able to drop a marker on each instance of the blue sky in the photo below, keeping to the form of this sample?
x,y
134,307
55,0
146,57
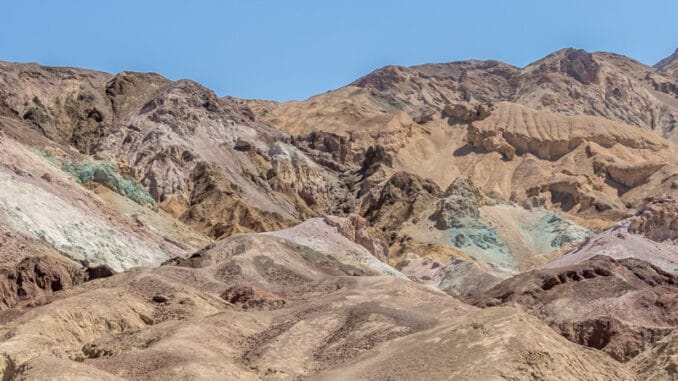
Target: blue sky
x,y
293,49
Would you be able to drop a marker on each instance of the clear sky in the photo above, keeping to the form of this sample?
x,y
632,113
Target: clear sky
x,y
293,49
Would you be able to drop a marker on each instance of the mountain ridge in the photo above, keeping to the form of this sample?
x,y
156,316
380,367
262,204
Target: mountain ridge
x,y
150,229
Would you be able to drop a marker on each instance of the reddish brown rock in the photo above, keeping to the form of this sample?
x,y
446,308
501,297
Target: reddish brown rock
x,y
619,306
35,277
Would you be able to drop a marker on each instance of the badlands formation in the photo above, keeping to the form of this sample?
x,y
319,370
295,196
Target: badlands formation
x,y
468,220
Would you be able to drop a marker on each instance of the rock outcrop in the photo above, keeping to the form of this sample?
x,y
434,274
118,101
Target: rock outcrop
x,y
668,65
166,133
354,227
35,278
403,198
658,221
461,200
564,129
622,307
659,362
513,129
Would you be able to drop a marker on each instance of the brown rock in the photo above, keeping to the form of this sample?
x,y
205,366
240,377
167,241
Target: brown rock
x,y
580,65
619,306
252,297
465,114
355,228
658,221
35,277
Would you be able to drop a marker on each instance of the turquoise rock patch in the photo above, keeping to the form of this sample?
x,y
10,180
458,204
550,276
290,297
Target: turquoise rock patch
x,y
106,174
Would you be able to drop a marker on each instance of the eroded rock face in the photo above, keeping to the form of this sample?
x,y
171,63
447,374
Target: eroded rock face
x,y
464,114
643,241
217,166
132,169
659,362
164,134
218,209
658,221
78,114
127,90
629,175
563,130
491,142
403,197
383,79
571,194
669,65
328,149
36,277
550,136
376,154
354,227
619,306
568,81
461,200
302,182
581,66
612,336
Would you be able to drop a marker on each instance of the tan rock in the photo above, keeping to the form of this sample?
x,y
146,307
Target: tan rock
x,y
355,228
658,221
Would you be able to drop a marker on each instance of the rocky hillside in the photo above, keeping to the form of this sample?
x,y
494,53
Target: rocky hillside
x,y
559,134
236,310
150,229
622,307
568,81
200,158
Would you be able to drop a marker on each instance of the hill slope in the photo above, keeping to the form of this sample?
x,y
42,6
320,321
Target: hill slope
x,y
335,237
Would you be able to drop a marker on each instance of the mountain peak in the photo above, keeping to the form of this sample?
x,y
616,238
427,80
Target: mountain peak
x,y
668,61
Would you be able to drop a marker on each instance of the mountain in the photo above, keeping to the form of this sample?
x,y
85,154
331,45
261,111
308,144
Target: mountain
x,y
568,81
669,65
589,153
409,225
